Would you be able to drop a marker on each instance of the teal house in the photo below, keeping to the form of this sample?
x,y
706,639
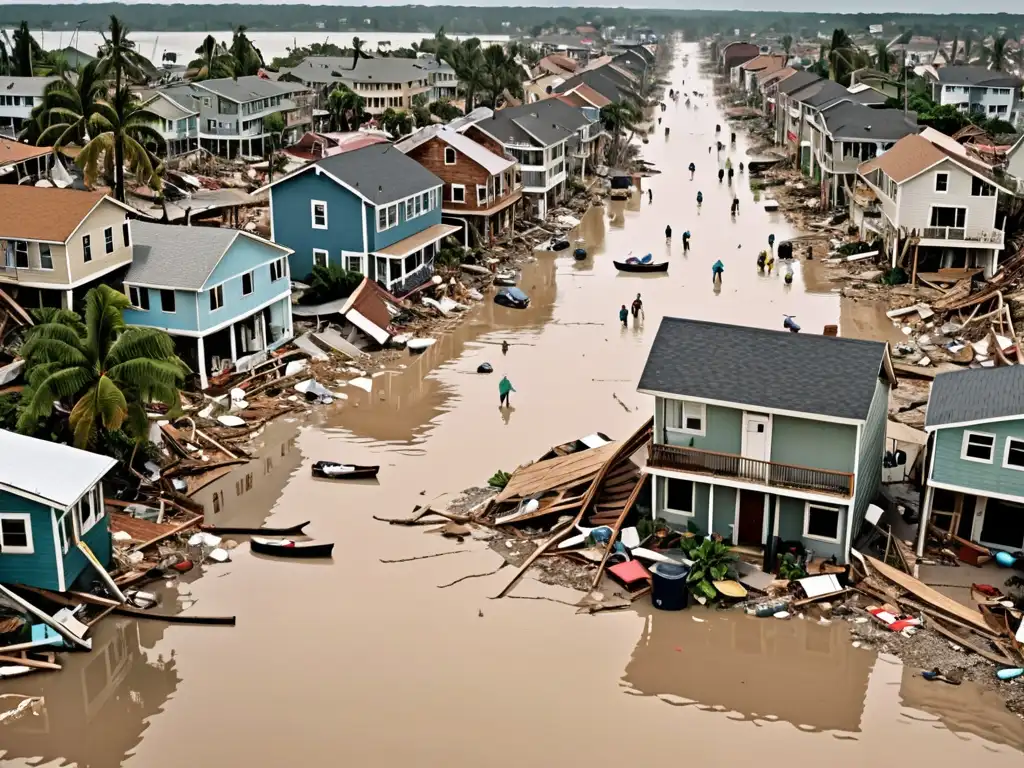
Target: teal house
x,y
51,498
752,425
975,458
223,294
371,210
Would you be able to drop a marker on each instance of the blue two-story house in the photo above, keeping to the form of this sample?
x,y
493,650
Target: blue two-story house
x,y
371,210
975,458
752,425
51,498
223,294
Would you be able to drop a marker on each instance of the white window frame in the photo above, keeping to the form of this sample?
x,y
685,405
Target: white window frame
x,y
347,259
29,548
49,256
966,440
1006,453
126,233
87,248
312,214
65,531
462,189
830,508
320,252
935,186
217,297
481,200
86,524
135,297
252,283
24,246
386,210
410,208
108,240
683,405
455,155
693,498
277,267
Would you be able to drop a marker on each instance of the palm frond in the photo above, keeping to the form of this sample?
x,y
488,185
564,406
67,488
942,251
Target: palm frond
x,y
137,342
47,350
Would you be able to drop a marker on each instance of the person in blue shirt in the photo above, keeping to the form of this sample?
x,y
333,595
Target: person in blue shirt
x,y
624,316
716,271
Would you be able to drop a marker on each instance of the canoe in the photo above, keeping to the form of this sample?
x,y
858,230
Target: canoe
x,y
291,530
623,266
333,470
286,548
559,245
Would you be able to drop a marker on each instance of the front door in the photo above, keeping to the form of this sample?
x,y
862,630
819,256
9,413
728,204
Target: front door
x,y
751,525
755,446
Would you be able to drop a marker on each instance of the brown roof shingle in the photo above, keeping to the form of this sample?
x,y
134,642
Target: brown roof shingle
x,y
41,213
905,159
16,152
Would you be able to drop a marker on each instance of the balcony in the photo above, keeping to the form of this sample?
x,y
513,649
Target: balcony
x,y
769,473
981,235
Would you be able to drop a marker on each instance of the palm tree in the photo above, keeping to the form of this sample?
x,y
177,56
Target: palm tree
x,y
214,61
396,122
468,62
247,57
499,73
119,57
345,108
841,55
996,54
274,125
67,105
970,50
25,52
357,51
5,60
122,131
619,117
105,371
786,41
883,57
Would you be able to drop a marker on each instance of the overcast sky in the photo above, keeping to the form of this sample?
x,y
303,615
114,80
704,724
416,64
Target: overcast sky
x,y
798,6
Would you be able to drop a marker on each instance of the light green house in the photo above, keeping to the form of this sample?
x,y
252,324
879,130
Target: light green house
x,y
752,425
975,459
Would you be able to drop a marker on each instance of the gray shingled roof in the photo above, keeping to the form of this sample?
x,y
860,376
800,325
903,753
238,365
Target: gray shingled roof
x,y
797,80
824,93
976,394
247,88
380,172
386,69
855,121
969,74
542,123
176,257
800,372
25,86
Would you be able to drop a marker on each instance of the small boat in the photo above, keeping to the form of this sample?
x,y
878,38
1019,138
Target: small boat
x,y
579,254
418,345
641,266
291,530
333,470
560,245
288,548
505,278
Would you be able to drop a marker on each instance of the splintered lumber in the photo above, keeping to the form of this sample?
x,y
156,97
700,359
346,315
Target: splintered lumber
x,y
931,596
558,473
1001,659
556,537
26,662
615,530
635,442
960,291
170,532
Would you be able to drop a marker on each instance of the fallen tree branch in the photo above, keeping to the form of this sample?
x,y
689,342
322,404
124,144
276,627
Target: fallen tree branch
x,y
472,576
425,557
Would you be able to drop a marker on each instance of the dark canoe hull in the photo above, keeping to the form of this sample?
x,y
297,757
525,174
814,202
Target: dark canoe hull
x,y
360,472
301,551
657,267
560,245
294,530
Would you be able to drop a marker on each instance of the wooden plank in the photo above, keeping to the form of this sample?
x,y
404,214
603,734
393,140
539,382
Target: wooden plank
x,y
170,532
552,474
556,537
26,662
615,531
930,596
994,658
631,446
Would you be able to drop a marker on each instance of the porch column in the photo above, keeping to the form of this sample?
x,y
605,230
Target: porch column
x,y
711,508
654,496
769,549
923,519
69,299
263,331
288,330
201,355
234,351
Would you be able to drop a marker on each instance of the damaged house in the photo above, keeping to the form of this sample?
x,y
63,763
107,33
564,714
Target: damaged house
x,y
760,432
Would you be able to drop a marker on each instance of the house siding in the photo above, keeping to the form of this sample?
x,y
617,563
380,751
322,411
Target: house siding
x,y
464,171
818,444
184,317
292,220
57,277
872,449
98,540
40,568
106,214
949,468
405,227
918,196
724,513
722,432
243,256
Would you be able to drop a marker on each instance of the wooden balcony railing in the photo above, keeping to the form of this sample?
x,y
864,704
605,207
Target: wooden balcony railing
x,y
768,473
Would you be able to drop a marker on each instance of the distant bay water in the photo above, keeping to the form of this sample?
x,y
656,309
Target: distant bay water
x,y
153,45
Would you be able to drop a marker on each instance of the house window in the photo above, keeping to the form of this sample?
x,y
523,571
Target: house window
x,y
167,301
218,501
206,101
247,286
449,156
1013,458
941,182
216,298
418,200
410,209
821,522
981,188
319,257
318,212
21,254
387,217
45,257
139,297
126,233
1001,109
684,416
458,193
426,197
679,496
948,217
65,532
108,240
87,247
977,446
481,194
276,270
16,533
88,510
354,263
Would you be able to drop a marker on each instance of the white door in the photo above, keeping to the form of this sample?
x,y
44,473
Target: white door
x,y
756,443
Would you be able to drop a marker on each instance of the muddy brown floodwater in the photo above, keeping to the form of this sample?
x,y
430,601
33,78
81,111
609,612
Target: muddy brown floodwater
x,y
362,663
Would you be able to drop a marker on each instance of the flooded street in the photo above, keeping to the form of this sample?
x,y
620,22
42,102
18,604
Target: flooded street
x,y
357,660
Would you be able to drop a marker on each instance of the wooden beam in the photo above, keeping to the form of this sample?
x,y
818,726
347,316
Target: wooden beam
x,y
25,662
615,531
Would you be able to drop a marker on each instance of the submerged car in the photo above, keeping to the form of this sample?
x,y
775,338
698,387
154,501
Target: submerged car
x,y
512,297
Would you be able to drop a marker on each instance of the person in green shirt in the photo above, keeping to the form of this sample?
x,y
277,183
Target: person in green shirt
x,y
624,315
504,389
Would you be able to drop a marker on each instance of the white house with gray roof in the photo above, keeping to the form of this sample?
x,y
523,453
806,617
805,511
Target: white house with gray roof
x,y
979,90
223,294
384,82
18,96
179,123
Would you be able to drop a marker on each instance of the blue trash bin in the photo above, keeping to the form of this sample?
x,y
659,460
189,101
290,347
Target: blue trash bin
x,y
668,586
